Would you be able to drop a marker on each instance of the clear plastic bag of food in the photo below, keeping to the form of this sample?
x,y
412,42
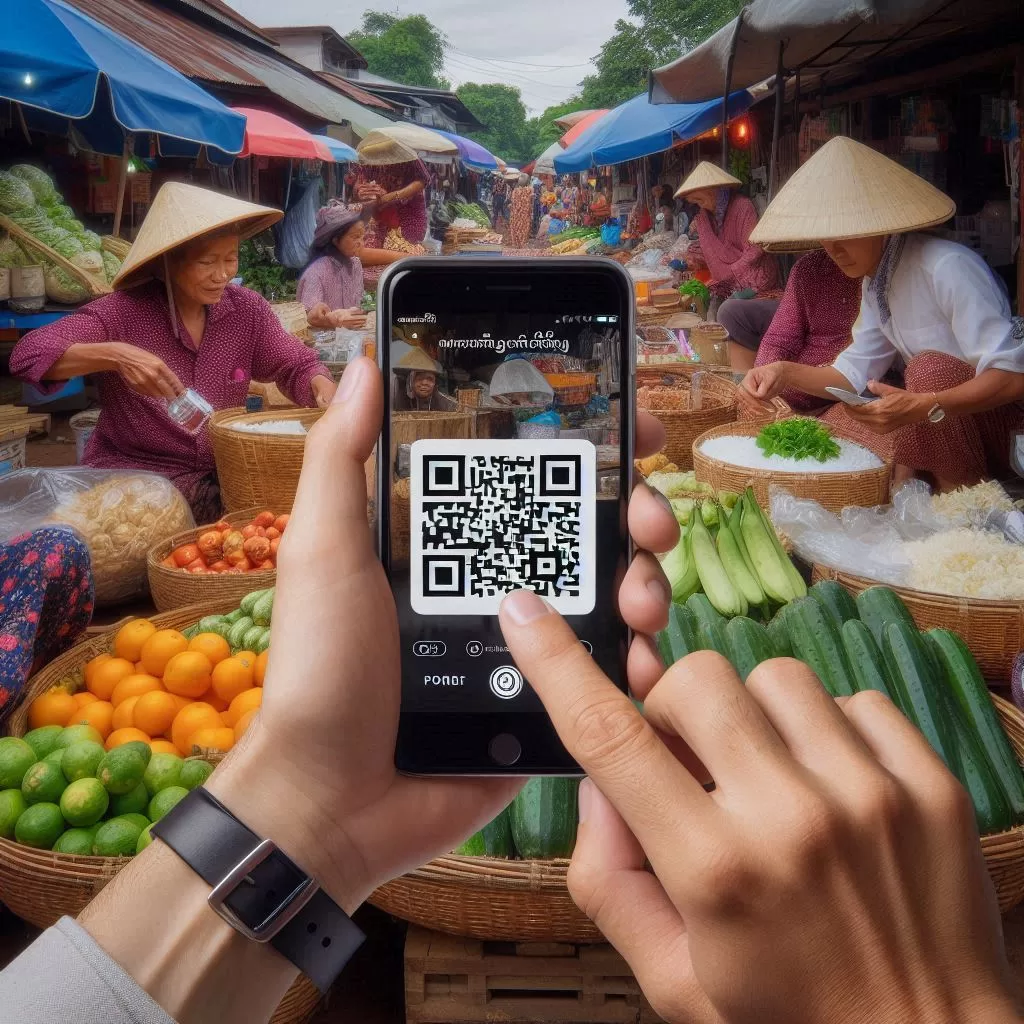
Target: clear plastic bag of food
x,y
120,514
518,382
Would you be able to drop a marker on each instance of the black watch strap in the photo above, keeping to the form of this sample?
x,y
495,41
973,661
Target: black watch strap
x,y
258,890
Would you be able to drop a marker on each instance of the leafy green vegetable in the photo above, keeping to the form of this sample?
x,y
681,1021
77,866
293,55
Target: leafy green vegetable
x,y
41,184
91,242
798,438
15,195
262,273
111,266
68,246
696,290
12,255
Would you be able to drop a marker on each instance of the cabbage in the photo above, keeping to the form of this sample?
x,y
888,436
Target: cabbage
x,y
11,254
52,234
33,220
91,263
90,241
15,195
41,184
69,247
62,287
111,266
76,227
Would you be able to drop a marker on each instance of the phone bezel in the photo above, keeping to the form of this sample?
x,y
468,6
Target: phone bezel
x,y
457,743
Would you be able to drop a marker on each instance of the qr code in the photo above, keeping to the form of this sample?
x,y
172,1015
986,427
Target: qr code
x,y
490,517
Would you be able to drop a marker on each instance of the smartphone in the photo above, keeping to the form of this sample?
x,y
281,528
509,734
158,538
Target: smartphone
x,y
505,463
851,397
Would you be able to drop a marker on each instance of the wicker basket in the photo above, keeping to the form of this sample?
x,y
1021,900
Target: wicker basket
x,y
726,389
866,487
684,426
571,389
258,469
96,284
400,525
294,319
175,588
407,427
993,630
116,246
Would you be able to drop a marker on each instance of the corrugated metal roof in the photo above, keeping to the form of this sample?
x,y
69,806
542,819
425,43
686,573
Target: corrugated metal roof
x,y
200,52
354,92
220,11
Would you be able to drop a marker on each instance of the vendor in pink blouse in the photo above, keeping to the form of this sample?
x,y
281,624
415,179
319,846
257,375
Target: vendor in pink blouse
x,y
331,287
174,322
723,229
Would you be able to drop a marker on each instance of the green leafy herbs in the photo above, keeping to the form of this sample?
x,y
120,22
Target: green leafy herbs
x,y
262,273
798,438
695,289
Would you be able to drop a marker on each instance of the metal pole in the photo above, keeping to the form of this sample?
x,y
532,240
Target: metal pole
x,y
780,95
121,182
728,89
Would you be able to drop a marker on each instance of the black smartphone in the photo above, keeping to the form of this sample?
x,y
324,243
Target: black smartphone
x,y
505,463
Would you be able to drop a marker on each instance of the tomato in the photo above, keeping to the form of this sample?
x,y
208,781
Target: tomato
x,y
221,526
268,564
273,533
170,563
281,522
248,531
220,566
264,519
274,545
185,554
199,570
244,565
198,563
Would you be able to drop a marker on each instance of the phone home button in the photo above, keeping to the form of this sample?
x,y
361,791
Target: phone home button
x,y
505,749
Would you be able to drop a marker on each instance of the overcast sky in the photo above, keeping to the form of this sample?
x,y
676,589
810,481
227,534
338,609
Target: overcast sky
x,y
541,46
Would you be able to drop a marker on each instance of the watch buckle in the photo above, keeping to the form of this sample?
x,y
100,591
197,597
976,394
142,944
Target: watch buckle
x,y
285,911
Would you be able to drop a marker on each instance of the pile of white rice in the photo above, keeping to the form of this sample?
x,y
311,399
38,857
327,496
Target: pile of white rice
x,y
271,427
967,563
743,451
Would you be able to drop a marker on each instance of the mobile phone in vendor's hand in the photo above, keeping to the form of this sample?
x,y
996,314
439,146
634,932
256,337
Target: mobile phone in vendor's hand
x,y
851,397
505,463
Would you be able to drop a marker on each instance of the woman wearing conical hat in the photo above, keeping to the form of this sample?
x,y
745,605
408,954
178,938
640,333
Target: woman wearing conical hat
x,y
723,228
930,303
173,322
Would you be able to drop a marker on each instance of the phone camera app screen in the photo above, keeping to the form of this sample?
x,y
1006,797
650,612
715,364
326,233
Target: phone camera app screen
x,y
505,474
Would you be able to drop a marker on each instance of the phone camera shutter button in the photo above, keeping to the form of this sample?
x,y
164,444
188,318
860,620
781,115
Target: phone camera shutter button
x,y
505,749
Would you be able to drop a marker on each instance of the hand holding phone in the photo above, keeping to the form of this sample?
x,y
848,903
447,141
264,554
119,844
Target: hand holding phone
x,y
851,397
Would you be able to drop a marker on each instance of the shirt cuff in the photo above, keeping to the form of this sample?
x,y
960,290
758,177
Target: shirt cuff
x,y
857,381
303,384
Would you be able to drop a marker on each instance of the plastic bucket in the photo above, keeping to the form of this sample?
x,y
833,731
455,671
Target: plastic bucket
x,y
83,424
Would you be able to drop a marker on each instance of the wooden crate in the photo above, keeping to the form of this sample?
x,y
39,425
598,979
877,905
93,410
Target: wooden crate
x,y
452,980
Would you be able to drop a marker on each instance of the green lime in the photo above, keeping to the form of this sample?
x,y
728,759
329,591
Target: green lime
x,y
55,757
144,750
76,840
116,838
139,819
44,739
134,802
165,800
121,769
76,734
43,783
163,771
81,759
84,802
12,806
145,838
16,757
195,773
40,826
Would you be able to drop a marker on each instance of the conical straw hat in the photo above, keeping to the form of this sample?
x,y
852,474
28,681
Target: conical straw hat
x,y
181,213
707,175
417,359
848,190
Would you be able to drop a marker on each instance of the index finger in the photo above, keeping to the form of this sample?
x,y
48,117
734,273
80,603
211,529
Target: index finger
x,y
603,730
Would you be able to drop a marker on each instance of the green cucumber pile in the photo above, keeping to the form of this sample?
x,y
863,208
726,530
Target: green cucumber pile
x,y
471,211
247,628
539,824
871,643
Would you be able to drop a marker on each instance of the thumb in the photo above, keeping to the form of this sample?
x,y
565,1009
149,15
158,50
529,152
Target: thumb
x,y
876,387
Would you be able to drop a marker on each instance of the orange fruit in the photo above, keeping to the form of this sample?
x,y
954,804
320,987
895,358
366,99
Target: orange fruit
x,y
101,676
247,700
85,697
123,716
140,669
233,676
215,702
154,712
164,747
99,714
190,719
130,638
134,686
221,738
243,723
213,645
188,674
54,707
259,670
163,645
121,736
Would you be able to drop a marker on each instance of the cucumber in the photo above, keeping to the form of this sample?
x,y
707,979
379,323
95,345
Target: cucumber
x,y
232,617
991,807
249,602
865,659
263,608
971,694
836,601
711,637
748,644
919,689
707,619
778,633
210,624
816,643
493,840
679,637
877,607
252,638
190,631
238,631
264,642
543,818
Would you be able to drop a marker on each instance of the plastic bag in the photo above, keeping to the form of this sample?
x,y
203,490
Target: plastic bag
x,y
611,233
295,234
119,514
520,382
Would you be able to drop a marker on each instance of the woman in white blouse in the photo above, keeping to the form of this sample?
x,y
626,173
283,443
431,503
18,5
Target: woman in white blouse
x,y
933,304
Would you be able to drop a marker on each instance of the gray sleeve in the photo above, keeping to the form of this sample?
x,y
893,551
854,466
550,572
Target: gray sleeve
x,y
65,976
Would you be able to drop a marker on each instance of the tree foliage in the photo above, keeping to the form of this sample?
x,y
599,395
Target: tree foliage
x,y
500,107
409,50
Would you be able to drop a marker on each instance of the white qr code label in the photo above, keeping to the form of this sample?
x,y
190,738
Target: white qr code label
x,y
490,517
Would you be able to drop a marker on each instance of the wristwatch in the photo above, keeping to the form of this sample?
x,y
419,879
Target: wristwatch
x,y
259,891
936,414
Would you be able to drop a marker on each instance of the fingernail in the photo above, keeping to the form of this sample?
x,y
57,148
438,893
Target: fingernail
x,y
349,381
524,606
584,800
659,587
663,501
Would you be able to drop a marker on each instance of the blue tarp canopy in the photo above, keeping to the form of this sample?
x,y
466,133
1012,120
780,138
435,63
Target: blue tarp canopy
x,y
471,153
342,153
639,128
70,72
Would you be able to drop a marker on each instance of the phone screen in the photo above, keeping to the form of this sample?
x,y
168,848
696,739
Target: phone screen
x,y
504,464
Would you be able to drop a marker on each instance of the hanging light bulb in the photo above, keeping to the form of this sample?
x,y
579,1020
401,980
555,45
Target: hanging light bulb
x,y
28,79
